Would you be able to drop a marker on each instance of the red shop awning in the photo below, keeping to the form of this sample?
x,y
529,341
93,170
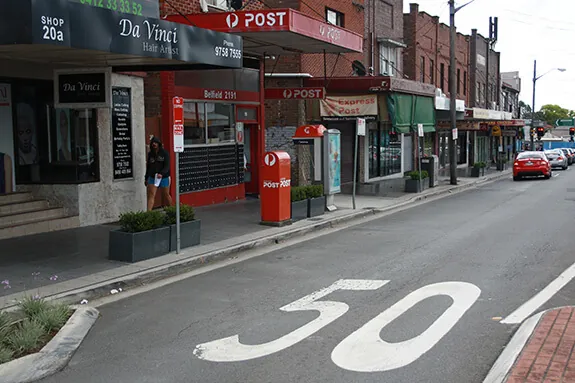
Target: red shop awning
x,y
278,31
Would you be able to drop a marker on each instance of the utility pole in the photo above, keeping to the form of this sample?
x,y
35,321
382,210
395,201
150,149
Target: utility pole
x,y
453,92
532,130
452,96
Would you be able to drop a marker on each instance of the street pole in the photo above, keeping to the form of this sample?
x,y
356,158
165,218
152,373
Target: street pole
x,y
452,95
532,130
178,240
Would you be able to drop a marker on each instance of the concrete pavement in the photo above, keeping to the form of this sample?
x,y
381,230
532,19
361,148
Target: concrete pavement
x,y
417,296
82,278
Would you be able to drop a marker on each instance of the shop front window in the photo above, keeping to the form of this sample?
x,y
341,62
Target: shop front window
x,y
384,151
461,147
428,144
208,123
57,146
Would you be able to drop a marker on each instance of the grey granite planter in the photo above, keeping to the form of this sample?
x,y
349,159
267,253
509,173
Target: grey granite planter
x,y
299,210
135,247
316,206
189,234
416,186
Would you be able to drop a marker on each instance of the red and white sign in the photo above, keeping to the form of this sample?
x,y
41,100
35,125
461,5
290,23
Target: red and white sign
x,y
270,159
349,106
178,109
257,20
278,20
294,93
240,132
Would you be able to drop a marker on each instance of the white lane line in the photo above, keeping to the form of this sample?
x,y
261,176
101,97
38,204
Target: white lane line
x,y
505,362
540,298
556,175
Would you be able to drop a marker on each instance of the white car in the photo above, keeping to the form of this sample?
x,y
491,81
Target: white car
x,y
557,158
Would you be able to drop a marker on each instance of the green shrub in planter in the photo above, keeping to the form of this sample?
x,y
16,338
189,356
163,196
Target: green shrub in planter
x,y
136,222
187,214
416,176
314,191
190,227
143,235
480,165
298,193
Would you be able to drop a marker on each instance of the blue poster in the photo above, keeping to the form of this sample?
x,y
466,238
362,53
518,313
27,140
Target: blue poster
x,y
334,164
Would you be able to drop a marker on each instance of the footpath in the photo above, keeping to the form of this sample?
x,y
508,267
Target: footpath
x,y
86,274
541,351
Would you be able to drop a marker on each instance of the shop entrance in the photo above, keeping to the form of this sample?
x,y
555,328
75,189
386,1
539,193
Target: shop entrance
x,y
250,158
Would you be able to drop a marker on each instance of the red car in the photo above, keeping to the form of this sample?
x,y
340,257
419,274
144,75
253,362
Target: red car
x,y
531,164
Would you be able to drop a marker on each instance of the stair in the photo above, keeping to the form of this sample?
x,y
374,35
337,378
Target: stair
x,y
21,214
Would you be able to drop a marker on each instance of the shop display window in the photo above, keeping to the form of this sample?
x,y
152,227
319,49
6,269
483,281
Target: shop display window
x,y
384,150
209,123
57,146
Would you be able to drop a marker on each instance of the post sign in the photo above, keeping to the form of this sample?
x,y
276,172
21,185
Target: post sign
x,y
275,192
122,156
361,126
178,110
294,93
82,89
420,130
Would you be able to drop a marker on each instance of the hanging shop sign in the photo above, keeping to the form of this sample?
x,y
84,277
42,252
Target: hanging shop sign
x,y
349,107
294,93
72,25
122,154
82,88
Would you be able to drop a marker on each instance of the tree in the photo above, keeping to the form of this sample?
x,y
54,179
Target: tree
x,y
550,113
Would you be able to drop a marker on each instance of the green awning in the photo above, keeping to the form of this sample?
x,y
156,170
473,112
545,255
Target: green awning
x,y
407,110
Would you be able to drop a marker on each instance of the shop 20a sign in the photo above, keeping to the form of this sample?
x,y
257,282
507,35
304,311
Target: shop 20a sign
x,y
82,89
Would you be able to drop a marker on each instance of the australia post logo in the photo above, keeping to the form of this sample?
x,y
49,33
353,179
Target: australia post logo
x,y
270,160
255,20
283,183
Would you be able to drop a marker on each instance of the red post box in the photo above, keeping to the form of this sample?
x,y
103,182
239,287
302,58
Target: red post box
x,y
275,191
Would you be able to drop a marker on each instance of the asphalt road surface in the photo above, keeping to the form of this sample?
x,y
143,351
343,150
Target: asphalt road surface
x,y
417,296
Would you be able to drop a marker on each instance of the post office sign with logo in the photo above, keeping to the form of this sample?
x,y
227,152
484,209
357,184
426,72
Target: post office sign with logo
x,y
89,88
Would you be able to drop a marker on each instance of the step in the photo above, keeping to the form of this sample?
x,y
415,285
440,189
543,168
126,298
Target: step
x,y
40,226
23,206
15,197
31,216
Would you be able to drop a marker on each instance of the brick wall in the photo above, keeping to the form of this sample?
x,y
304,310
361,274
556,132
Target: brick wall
x,y
385,19
354,20
428,42
478,72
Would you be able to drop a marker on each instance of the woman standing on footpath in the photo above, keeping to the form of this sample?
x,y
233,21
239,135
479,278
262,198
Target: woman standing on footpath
x,y
157,173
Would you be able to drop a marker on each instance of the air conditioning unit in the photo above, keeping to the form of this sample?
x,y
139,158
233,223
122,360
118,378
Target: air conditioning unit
x,y
220,4
204,5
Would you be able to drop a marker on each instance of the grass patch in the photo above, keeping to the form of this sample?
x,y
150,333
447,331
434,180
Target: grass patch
x,y
29,328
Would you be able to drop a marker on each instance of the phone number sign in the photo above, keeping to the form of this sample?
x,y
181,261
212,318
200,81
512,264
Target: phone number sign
x,y
146,8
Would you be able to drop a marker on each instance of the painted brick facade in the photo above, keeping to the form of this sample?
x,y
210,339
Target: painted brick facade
x,y
428,53
484,94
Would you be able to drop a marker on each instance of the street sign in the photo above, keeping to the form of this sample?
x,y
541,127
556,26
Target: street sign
x,y
420,130
361,126
454,134
178,127
294,93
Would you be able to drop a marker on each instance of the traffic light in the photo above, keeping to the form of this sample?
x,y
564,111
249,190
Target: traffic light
x,y
572,131
540,132
236,4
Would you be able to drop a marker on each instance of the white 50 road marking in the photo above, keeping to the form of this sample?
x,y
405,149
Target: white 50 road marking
x,y
231,350
365,351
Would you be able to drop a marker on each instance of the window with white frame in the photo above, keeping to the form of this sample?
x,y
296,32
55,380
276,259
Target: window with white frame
x,y
334,17
387,60
220,4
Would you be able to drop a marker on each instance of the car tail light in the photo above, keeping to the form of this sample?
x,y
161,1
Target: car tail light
x,y
516,164
559,158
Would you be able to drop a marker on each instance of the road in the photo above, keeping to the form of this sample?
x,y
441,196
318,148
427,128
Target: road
x,y
417,296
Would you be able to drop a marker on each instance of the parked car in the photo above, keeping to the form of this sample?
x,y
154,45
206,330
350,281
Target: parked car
x,y
572,152
531,164
569,154
557,158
